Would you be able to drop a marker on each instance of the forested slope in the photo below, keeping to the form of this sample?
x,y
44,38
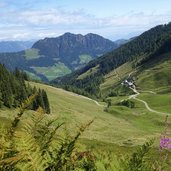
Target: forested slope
x,y
14,90
145,47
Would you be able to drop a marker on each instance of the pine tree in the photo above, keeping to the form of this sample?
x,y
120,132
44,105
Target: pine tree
x,y
13,90
40,100
46,101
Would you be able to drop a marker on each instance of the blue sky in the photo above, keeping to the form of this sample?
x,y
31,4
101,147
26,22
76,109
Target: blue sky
x,y
113,19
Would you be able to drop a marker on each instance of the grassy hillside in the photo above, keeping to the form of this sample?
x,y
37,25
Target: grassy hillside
x,y
121,126
32,54
52,71
155,74
115,77
118,131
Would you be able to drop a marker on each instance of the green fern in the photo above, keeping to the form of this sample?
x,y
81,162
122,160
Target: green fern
x,y
137,161
24,105
30,150
37,143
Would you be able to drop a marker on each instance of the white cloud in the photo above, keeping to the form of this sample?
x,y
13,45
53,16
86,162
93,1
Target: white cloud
x,y
35,24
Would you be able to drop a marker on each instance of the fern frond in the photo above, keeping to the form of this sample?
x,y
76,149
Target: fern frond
x,y
3,141
137,160
37,144
11,160
22,108
24,105
62,156
32,156
50,137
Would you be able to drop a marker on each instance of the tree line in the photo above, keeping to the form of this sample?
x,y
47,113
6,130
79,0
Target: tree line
x,y
14,90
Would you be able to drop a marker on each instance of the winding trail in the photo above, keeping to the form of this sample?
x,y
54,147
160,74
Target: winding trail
x,y
134,96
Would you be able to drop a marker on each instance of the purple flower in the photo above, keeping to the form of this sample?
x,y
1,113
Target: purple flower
x,y
169,146
165,142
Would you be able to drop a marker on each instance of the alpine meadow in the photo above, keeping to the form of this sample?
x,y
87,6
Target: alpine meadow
x,y
85,86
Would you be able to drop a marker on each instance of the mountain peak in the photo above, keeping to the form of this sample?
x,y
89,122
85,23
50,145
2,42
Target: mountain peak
x,y
54,57
92,35
68,34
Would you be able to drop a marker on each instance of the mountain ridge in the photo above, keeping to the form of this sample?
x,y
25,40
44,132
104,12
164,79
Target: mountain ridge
x,y
53,57
14,46
69,46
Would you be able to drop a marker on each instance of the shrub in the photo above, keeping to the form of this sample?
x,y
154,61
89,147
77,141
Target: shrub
x,y
127,103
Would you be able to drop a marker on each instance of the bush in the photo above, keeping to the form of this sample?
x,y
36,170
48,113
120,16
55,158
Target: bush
x,y
127,103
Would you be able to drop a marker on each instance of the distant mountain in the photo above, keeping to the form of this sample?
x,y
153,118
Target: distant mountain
x,y
74,50
15,46
53,57
120,42
147,48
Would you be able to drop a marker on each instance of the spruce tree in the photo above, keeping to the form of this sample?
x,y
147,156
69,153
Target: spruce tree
x,y
40,100
13,90
46,101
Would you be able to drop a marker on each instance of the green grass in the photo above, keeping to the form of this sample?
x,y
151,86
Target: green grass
x,y
139,116
89,72
52,72
115,76
159,102
155,76
73,109
32,54
33,76
117,127
84,59
120,127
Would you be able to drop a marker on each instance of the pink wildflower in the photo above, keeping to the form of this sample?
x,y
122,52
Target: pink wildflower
x,y
165,142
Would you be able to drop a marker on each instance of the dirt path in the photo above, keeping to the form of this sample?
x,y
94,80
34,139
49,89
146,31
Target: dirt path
x,y
77,95
134,96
